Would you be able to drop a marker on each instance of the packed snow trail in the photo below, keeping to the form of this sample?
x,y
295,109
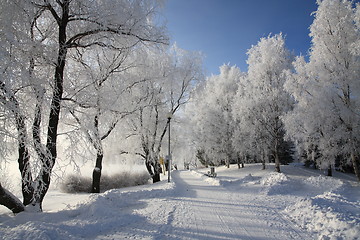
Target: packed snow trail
x,y
246,203
198,210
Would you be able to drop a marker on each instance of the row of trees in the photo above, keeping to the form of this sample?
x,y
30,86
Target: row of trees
x,y
283,102
79,72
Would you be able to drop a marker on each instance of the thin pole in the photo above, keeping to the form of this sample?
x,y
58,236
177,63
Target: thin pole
x,y
169,152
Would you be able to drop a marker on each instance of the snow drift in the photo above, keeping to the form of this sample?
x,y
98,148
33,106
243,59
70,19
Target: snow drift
x,y
239,203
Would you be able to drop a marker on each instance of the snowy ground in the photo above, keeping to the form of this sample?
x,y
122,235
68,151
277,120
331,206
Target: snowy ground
x,y
239,204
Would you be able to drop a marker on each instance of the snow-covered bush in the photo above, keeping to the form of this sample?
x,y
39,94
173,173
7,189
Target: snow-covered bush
x,y
124,179
75,183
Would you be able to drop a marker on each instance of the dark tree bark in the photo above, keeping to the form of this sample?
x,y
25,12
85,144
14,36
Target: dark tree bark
x,y
154,168
263,161
24,162
149,168
156,178
329,171
157,171
97,173
49,159
278,137
239,161
10,201
24,156
356,165
277,161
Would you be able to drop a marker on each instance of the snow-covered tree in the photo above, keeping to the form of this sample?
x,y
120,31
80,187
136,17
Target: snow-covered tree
x,y
42,37
211,117
261,104
172,76
98,97
242,141
327,87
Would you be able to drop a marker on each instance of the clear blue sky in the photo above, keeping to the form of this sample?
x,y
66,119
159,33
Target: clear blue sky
x,y
223,30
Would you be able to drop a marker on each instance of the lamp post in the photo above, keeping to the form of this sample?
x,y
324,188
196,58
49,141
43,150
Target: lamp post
x,y
169,152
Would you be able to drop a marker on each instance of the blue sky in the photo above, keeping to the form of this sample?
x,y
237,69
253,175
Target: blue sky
x,y
223,30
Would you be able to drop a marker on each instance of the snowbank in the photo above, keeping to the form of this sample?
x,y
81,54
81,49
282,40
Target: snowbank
x,y
327,206
333,214
276,183
273,179
99,214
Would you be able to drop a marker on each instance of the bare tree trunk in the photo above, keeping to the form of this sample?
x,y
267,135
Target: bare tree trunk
x,y
329,171
97,173
24,162
10,201
263,161
277,162
240,161
42,183
24,156
276,155
43,180
152,165
149,168
356,164
157,171
96,176
228,161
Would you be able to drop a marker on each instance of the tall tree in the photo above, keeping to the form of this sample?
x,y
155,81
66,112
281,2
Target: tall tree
x,y
328,85
211,116
57,29
172,76
100,98
246,141
266,101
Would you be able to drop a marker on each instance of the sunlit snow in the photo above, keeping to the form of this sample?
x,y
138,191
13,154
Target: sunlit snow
x,y
247,203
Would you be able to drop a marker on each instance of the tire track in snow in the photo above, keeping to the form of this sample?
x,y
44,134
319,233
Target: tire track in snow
x,y
195,209
237,215
214,212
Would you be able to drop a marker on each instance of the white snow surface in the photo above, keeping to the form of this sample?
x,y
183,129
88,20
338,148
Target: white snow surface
x,y
246,203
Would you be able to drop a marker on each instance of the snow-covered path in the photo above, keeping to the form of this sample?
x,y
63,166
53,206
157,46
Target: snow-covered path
x,y
246,203
218,213
198,210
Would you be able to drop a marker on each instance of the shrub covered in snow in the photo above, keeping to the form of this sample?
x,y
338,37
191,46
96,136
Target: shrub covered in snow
x,y
76,183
